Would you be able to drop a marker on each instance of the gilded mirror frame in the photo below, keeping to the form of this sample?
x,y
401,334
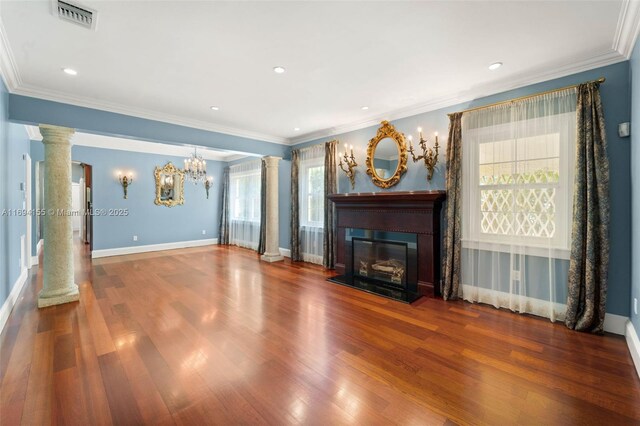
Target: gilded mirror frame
x,y
387,130
168,169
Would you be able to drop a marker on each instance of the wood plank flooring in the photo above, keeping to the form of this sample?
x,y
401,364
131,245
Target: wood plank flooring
x,y
212,335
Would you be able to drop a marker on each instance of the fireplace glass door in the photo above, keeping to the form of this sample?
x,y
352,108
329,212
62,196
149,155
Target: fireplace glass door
x,y
381,261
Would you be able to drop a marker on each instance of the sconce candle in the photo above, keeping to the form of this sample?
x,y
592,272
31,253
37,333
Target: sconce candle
x,y
207,184
429,155
350,162
125,181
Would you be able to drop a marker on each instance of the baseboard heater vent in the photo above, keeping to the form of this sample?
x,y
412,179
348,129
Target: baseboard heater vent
x,y
75,13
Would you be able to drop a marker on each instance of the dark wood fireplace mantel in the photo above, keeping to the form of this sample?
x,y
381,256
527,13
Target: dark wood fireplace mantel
x,y
415,212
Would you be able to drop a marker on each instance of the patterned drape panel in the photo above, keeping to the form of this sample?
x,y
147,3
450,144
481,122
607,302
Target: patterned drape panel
x,y
295,206
588,267
223,231
263,207
453,231
330,187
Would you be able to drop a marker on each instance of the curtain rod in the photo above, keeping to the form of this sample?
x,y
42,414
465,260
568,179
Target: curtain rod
x,y
521,98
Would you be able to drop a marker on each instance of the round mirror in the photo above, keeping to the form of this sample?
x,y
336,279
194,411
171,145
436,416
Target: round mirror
x,y
386,156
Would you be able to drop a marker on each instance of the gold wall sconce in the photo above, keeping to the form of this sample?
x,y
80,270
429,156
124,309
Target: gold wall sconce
x,y
429,155
125,180
350,163
207,184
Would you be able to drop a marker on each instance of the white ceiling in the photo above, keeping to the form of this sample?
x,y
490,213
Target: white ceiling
x,y
172,60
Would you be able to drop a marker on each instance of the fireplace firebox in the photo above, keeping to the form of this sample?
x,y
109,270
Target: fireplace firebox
x,y
380,262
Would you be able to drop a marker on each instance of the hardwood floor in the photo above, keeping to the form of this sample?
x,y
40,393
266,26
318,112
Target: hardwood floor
x,y
214,336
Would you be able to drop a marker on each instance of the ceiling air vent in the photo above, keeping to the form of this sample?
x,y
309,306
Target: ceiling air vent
x,y
75,13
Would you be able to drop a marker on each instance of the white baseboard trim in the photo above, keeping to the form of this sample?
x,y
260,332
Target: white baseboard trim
x,y
151,247
285,252
634,345
612,323
34,259
8,304
615,324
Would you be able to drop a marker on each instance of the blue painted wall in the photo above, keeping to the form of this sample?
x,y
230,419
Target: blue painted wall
x,y
14,143
635,183
151,223
26,110
615,98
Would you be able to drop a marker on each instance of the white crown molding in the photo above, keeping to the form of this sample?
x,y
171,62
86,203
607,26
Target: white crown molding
x,y
33,132
628,28
55,96
609,57
133,145
8,67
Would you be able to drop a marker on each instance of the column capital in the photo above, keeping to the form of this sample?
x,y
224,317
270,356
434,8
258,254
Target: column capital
x,y
271,161
56,135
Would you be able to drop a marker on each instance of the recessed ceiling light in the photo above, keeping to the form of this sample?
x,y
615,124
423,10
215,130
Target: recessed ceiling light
x,y
278,70
296,128
495,66
214,108
70,71
364,108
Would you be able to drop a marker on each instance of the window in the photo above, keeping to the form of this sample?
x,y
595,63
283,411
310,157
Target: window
x,y
311,203
312,193
244,204
245,196
518,184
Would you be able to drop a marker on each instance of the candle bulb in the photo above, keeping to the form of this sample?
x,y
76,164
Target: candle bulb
x,y
420,132
352,150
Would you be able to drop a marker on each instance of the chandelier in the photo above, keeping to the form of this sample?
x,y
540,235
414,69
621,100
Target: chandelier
x,y
195,168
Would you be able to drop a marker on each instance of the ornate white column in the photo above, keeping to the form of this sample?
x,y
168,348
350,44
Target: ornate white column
x,y
58,286
272,249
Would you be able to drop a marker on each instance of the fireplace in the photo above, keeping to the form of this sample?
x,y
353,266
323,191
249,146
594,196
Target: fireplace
x,y
389,242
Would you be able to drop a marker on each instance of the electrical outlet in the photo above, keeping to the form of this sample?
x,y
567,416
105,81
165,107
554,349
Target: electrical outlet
x,y
515,275
204,232
635,305
135,238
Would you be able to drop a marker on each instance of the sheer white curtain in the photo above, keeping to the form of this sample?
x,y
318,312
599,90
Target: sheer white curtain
x,y
517,194
311,199
244,204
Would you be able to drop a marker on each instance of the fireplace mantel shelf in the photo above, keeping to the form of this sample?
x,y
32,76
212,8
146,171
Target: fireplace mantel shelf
x,y
363,197
415,212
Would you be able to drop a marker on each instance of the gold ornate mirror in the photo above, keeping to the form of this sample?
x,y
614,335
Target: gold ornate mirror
x,y
169,185
387,156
